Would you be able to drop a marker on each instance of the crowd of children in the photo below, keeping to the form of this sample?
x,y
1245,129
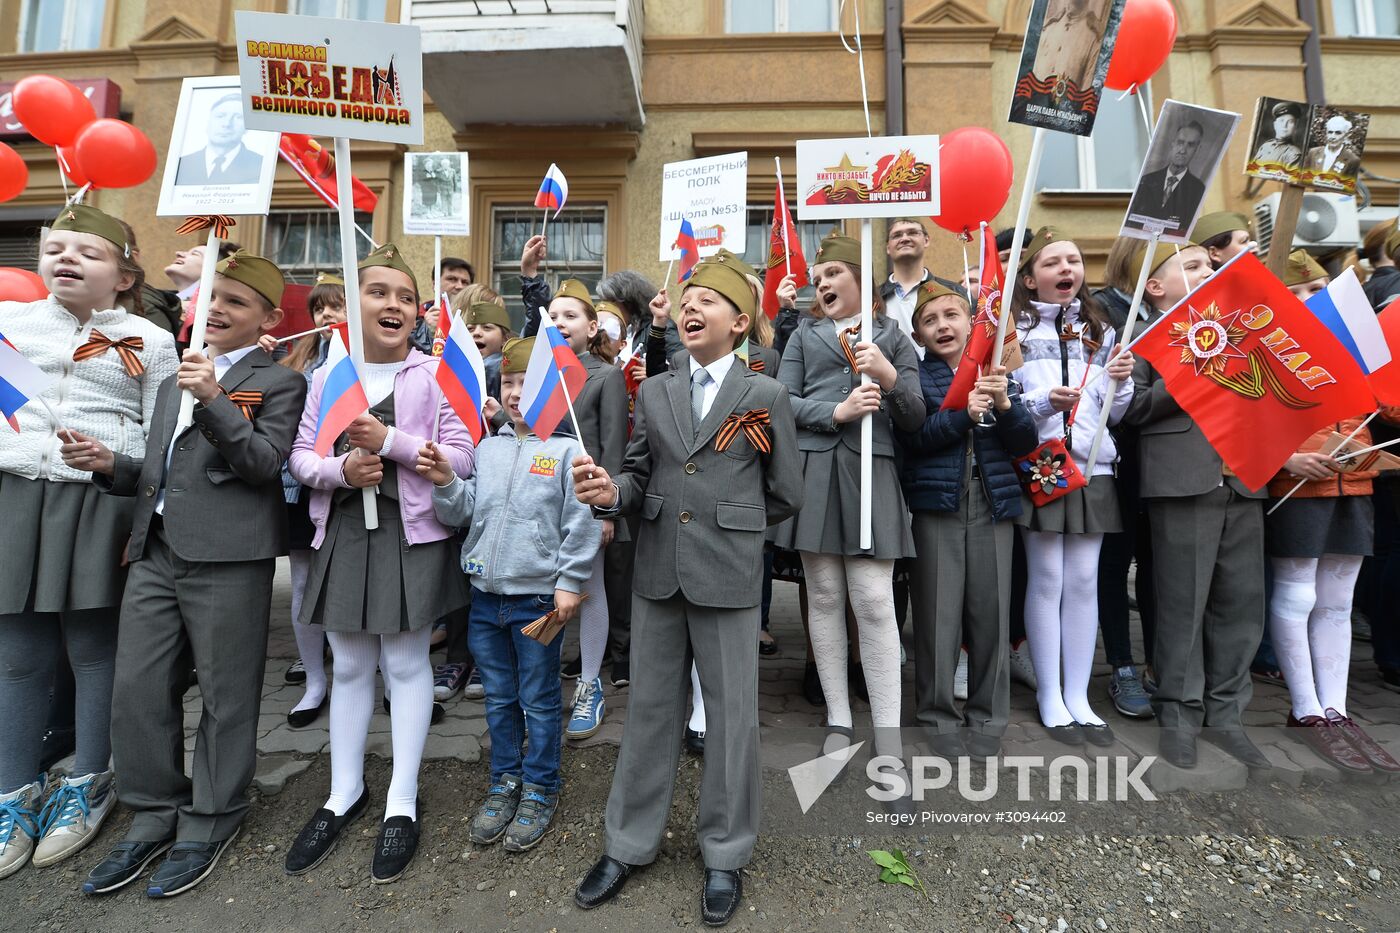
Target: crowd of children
x,y
733,451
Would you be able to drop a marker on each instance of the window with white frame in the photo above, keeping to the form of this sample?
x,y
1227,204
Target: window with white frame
x,y
780,15
578,241
60,25
1110,159
303,243
760,230
340,9
1366,17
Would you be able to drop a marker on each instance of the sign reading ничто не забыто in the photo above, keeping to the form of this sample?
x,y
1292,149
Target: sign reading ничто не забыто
x,y
331,77
881,176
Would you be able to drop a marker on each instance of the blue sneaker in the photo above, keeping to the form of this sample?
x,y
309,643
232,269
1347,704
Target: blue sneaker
x,y
1128,695
19,826
532,819
73,816
588,709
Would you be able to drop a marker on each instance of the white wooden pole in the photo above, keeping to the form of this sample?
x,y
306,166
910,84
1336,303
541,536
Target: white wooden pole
x,y
201,323
345,198
1013,261
867,421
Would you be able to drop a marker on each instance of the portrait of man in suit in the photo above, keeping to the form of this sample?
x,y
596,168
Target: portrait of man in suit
x,y
224,159
1171,194
1340,152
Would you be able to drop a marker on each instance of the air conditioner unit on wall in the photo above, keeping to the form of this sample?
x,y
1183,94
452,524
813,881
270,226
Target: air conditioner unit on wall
x,y
1326,222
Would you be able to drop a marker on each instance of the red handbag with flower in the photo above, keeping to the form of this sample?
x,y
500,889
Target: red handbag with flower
x,y
1049,472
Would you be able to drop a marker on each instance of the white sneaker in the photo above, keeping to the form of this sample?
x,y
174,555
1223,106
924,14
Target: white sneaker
x,y
1021,668
73,816
960,678
19,824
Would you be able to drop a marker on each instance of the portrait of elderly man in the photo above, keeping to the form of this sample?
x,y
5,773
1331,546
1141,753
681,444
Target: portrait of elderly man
x,y
224,160
1171,193
1069,41
1282,147
1336,154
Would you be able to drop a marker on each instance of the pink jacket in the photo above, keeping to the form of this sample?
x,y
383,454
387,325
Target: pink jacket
x,y
417,401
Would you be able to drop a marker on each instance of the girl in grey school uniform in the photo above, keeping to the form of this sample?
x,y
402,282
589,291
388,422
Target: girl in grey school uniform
x,y
1066,343
822,366
62,575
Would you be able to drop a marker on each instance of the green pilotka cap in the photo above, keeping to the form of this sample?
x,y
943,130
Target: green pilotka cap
x,y
839,248
391,256
80,218
1212,225
573,288
1301,267
515,355
724,276
487,312
259,274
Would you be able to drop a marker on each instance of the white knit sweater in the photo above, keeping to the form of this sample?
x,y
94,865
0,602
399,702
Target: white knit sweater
x,y
96,396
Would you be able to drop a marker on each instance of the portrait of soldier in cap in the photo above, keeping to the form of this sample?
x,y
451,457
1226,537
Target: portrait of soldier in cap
x,y
1278,136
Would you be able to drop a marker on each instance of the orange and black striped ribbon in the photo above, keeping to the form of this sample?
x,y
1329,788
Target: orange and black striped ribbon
x,y
220,223
127,348
845,337
753,423
756,364
247,402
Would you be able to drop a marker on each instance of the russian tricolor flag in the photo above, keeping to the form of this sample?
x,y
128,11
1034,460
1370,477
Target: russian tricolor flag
x,y
554,190
461,375
690,250
20,381
1344,308
552,371
343,398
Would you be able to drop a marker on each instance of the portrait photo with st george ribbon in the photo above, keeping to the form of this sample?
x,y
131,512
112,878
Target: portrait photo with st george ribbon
x,y
1064,63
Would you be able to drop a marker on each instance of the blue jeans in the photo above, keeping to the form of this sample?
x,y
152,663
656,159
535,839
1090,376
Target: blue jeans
x,y
521,680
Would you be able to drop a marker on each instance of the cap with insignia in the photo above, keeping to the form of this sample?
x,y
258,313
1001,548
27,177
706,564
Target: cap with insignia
x,y
573,288
515,355
1287,108
259,274
734,261
1213,225
80,218
725,277
487,312
390,256
1043,238
328,278
838,248
611,307
932,290
1301,267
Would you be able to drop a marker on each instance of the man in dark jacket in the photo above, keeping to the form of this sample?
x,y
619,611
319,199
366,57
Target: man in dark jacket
x,y
1383,286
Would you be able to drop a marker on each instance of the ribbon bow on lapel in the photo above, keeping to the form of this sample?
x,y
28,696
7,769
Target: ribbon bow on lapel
x,y
127,348
219,222
753,423
845,337
246,401
1070,334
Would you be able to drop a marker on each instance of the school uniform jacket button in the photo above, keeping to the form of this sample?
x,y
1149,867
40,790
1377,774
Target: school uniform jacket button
x,y
150,491
690,468
846,369
685,518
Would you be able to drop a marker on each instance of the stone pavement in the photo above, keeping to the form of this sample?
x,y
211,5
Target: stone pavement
x,y
285,752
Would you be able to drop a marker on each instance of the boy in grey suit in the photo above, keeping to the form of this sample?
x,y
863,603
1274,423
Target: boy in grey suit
x,y
712,463
210,522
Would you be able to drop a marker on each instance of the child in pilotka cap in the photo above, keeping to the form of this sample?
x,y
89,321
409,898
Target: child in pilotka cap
x,y
489,325
1208,551
1304,275
963,491
197,592
530,550
1223,235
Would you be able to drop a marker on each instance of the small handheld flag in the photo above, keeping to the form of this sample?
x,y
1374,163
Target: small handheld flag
x,y
20,381
784,255
553,377
462,378
444,324
342,395
554,190
690,250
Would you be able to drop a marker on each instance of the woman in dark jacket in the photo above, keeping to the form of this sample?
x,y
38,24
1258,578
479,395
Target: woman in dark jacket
x,y
963,491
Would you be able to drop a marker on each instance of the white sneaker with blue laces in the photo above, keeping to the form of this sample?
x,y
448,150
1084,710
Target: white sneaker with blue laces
x,y
19,825
588,709
73,816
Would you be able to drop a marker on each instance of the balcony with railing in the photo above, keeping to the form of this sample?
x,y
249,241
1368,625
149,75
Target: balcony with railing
x,y
532,61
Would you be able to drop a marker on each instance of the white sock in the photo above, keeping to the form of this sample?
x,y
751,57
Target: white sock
x,y
408,674
593,622
697,701
311,639
826,624
355,657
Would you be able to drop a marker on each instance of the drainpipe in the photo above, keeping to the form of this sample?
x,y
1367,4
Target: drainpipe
x,y
894,67
1312,53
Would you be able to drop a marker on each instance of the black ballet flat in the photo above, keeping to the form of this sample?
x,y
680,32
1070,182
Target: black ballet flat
x,y
1100,735
1070,734
301,718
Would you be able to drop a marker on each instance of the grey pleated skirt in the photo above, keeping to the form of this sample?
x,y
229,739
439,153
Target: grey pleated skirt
x,y
1091,510
370,581
1314,527
61,545
829,520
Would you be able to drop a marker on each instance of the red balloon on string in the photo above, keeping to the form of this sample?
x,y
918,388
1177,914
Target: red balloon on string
x,y
115,154
14,174
68,156
21,285
53,110
974,168
1145,39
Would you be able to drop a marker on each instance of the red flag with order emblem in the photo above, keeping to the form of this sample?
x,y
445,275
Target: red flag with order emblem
x,y
784,253
1254,368
977,354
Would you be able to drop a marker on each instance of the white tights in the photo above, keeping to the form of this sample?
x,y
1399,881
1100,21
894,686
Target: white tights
x,y
408,677
311,639
1310,623
1062,622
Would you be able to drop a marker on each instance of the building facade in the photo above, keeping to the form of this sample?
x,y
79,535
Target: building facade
x,y
612,90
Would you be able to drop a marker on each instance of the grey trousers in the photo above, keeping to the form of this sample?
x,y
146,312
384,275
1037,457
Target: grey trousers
x,y
1209,576
962,597
220,610
666,635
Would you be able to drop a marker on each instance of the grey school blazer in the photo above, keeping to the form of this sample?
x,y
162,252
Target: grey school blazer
x,y
704,512
223,494
819,376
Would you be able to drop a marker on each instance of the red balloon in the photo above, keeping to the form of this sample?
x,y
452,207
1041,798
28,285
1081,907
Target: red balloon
x,y
115,154
14,174
68,156
974,168
21,285
1145,39
53,110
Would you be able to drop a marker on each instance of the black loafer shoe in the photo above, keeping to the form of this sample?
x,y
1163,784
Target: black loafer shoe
x,y
1177,747
187,865
694,741
812,685
317,838
947,745
1100,735
395,848
719,900
301,718
981,745
1236,744
123,865
767,648
601,884
1069,734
